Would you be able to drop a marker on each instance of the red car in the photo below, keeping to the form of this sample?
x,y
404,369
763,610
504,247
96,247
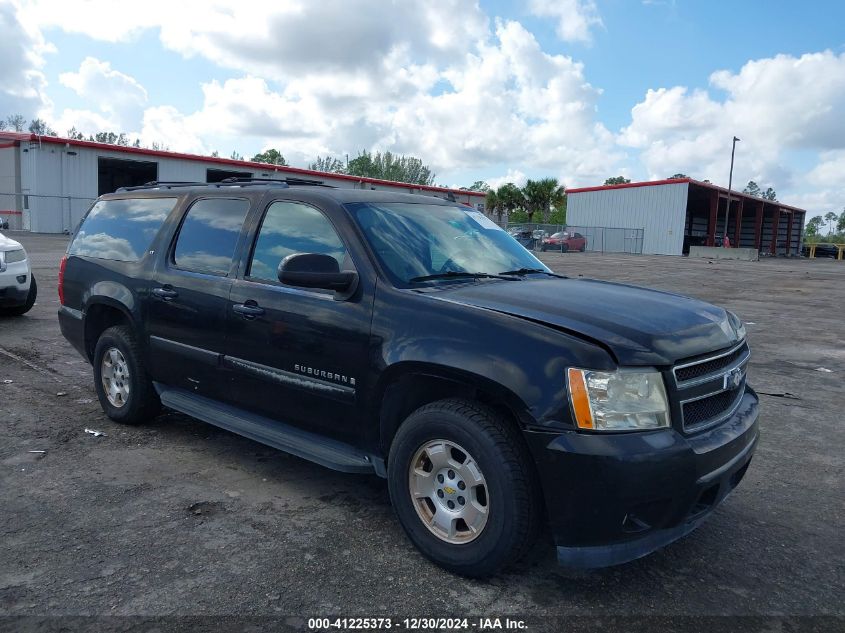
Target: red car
x,y
565,241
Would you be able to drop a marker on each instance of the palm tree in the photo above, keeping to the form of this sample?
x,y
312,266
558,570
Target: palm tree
x,y
510,197
541,195
493,205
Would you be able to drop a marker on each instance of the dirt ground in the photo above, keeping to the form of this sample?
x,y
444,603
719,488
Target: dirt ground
x,y
178,517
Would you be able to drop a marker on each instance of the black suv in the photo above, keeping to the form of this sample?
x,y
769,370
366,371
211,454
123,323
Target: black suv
x,y
410,337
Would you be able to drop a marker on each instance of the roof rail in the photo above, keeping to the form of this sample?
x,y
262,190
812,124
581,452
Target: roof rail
x,y
274,181
226,182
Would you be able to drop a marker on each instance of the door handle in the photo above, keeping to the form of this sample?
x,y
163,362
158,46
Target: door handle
x,y
165,293
248,310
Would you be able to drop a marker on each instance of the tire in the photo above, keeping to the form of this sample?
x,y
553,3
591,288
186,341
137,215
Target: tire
x,y
544,248
511,522
26,307
583,248
564,248
139,400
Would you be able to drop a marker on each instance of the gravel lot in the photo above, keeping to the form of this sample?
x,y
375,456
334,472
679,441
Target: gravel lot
x,y
177,517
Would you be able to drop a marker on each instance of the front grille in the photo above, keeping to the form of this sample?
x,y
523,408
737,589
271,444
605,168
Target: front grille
x,y
710,366
706,389
711,408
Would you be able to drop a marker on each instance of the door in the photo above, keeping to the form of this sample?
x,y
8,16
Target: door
x,y
189,294
297,355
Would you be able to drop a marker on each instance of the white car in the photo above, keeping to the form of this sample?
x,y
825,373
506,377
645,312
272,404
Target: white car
x,y
17,285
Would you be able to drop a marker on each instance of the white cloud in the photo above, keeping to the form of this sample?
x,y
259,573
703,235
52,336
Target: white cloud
x,y
576,19
119,97
503,101
165,125
22,49
775,105
515,176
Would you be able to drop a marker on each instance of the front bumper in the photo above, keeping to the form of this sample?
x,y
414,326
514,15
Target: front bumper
x,y
13,292
612,498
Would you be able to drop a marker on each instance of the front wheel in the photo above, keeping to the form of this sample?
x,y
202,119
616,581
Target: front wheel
x,y
463,486
125,391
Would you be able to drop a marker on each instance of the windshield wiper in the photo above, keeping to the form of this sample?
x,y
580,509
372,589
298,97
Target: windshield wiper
x,y
527,271
454,274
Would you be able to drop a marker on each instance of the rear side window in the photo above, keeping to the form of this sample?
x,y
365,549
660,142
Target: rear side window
x,y
121,229
209,235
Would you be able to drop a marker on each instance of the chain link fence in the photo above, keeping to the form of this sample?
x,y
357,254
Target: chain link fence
x,y
569,237
42,223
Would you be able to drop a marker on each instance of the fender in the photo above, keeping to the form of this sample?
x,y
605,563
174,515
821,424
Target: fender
x,y
519,363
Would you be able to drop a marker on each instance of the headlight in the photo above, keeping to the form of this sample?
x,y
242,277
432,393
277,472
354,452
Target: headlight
x,y
622,400
737,325
15,256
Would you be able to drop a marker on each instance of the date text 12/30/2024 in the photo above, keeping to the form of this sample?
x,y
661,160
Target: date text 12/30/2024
x,y
417,624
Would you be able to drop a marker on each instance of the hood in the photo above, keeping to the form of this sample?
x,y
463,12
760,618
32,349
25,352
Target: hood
x,y
638,325
7,244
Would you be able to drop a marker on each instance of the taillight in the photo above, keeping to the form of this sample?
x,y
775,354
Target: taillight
x,y
62,265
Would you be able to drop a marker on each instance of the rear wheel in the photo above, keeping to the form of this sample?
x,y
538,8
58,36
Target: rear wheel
x,y
463,487
120,378
27,306
583,248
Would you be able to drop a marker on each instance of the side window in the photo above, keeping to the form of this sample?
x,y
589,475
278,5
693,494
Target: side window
x,y
288,228
209,235
121,229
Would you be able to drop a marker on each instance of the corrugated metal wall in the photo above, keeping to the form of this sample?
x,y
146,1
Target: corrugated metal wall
x,y
659,210
60,182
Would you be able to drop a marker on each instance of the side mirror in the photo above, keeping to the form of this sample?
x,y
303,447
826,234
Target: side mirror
x,y
314,270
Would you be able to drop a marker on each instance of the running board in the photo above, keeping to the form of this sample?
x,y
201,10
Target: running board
x,y
326,452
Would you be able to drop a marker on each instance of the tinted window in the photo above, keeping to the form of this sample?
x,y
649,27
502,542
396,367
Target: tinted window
x,y
209,235
121,229
288,228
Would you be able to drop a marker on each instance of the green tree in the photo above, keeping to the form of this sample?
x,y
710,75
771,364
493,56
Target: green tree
x,y
328,164
678,176
74,134
16,122
541,195
236,156
510,199
270,156
388,166
840,226
830,217
769,194
752,189
617,180
813,226
40,127
478,185
491,204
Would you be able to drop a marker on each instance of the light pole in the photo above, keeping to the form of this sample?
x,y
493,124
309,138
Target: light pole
x,y
730,183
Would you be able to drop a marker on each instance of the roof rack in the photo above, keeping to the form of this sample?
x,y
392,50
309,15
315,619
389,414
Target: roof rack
x,y
226,182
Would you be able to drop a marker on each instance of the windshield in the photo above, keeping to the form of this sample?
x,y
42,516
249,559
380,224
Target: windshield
x,y
560,234
413,241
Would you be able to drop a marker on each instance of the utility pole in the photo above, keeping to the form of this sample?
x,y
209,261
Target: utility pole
x,y
730,184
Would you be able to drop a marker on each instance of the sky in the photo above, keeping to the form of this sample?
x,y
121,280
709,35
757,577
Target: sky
x,y
579,90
